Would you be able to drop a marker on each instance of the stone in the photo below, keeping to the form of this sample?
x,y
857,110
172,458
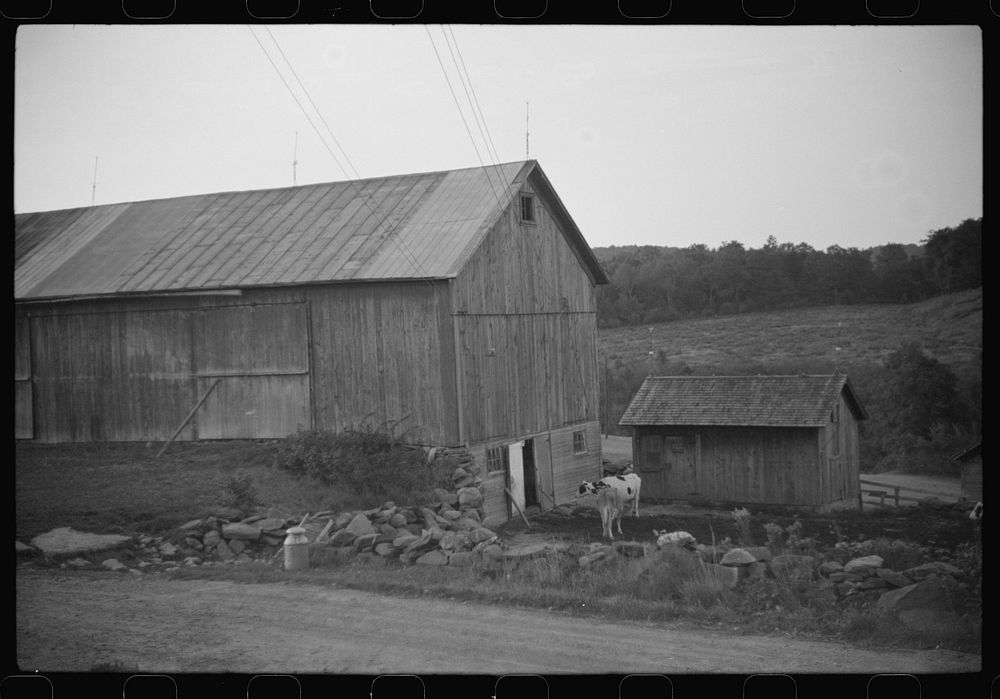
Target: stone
x,y
252,519
79,562
65,540
193,542
893,578
760,553
737,557
342,520
113,564
404,540
433,558
677,538
926,570
386,533
414,528
446,497
270,524
237,546
360,525
590,559
492,553
628,549
397,520
451,515
863,563
422,541
211,538
23,549
480,534
192,561
365,541
839,576
268,539
470,497
192,525
792,567
461,558
167,549
230,514
384,548
342,538
241,531
872,583
729,575
472,513
466,523
412,516
927,594
829,567
447,541
223,552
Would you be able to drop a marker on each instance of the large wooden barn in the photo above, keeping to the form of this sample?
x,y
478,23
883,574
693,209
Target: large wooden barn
x,y
458,307
789,440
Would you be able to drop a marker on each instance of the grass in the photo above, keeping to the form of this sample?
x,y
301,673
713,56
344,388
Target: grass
x,y
949,327
126,489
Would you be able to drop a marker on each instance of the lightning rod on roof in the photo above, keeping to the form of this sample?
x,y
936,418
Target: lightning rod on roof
x,y
93,184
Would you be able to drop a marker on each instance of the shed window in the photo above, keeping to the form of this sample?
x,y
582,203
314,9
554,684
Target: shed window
x,y
579,442
527,208
497,459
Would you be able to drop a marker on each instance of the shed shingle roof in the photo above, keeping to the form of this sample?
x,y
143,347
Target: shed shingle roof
x,y
420,226
750,401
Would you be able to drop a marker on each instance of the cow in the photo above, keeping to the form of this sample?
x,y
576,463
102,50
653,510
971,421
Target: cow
x,y
628,485
610,504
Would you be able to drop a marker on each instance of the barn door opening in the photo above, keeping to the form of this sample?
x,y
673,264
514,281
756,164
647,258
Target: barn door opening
x,y
530,474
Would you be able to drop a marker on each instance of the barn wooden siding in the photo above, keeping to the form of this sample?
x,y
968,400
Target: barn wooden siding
x,y
526,325
839,455
333,357
383,355
558,469
23,428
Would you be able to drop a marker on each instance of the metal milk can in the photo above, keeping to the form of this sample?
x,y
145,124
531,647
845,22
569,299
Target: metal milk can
x,y
296,549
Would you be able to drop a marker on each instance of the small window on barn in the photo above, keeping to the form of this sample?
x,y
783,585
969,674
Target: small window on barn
x,y
527,208
674,444
496,459
579,442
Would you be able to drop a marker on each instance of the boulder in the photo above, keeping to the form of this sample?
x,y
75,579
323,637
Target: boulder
x,y
211,538
481,534
271,524
237,546
113,564
830,567
472,513
893,578
342,520
269,539
65,540
760,553
461,558
384,548
342,538
492,553
223,552
926,570
588,560
628,549
446,497
451,515
243,532
398,520
365,541
192,525
230,514
927,594
869,563
873,583
360,525
386,532
791,567
470,497
194,542
678,538
738,557
167,549
433,558
422,541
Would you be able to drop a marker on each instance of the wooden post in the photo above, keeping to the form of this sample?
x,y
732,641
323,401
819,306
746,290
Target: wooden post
x,y
188,418
520,512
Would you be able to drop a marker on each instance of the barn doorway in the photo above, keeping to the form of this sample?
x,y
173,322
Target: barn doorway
x,y
530,478
521,477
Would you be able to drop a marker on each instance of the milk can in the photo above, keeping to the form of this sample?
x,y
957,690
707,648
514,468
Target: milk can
x,y
296,549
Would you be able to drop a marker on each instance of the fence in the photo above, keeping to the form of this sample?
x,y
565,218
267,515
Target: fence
x,y
885,491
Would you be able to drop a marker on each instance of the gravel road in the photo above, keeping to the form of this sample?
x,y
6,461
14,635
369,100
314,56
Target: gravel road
x,y
72,622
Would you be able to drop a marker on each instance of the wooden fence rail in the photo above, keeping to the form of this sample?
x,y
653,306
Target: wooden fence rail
x,y
884,490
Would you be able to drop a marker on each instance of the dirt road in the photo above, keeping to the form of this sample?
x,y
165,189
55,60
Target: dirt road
x,y
72,622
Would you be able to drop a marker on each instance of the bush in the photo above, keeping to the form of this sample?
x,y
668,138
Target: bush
x,y
370,463
239,491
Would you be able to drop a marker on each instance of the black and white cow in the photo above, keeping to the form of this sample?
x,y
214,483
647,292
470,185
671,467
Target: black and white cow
x,y
627,485
610,504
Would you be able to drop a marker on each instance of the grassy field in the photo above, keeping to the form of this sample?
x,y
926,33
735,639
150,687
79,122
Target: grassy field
x,y
950,328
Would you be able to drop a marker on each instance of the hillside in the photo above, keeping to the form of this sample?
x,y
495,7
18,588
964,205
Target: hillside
x,y
949,327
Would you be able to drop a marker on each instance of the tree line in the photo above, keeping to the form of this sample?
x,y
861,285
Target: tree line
x,y
651,284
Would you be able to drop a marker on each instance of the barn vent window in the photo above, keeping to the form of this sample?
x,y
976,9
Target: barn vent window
x,y
579,442
527,208
496,459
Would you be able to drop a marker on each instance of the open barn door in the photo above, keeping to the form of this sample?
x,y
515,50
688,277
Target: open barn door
x,y
515,477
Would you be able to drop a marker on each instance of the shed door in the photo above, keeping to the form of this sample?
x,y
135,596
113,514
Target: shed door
x,y
668,465
515,476
650,467
260,354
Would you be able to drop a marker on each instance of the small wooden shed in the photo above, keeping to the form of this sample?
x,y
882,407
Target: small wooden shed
x,y
457,306
972,472
790,440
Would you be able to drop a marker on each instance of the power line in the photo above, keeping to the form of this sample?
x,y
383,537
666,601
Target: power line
x,y
476,110
367,199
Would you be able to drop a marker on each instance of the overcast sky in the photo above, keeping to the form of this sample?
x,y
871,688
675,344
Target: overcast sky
x,y
655,135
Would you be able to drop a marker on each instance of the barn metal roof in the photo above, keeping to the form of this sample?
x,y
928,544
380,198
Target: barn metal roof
x,y
746,401
419,226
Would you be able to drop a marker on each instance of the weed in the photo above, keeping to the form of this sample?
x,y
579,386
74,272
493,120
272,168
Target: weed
x,y
741,516
239,491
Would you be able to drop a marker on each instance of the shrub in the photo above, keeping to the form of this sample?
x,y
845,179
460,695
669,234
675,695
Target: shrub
x,y
370,463
239,491
741,516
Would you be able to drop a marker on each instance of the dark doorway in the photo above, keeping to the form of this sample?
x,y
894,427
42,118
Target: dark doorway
x,y
528,457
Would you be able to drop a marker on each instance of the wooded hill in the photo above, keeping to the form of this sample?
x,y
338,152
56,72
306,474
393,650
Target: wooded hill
x,y
651,284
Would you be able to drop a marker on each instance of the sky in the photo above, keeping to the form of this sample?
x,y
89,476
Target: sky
x,y
854,136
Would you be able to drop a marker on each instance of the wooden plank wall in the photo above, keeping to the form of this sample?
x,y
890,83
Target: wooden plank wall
x,y
23,423
762,465
840,456
570,469
383,354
